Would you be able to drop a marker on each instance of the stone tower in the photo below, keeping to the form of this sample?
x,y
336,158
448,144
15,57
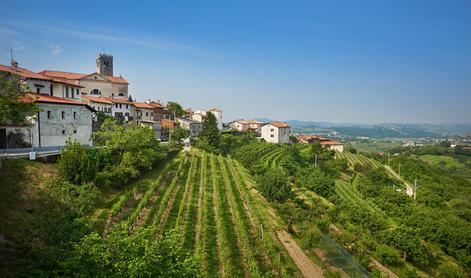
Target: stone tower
x,y
104,64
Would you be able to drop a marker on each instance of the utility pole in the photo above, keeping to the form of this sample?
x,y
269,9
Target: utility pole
x,y
315,159
415,191
399,171
389,155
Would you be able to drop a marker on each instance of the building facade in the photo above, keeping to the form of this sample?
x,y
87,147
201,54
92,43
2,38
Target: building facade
x,y
100,83
194,127
58,121
275,132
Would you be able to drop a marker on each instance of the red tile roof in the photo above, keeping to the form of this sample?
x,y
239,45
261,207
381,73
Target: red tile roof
x,y
279,124
24,73
31,97
143,105
63,74
330,142
156,105
67,82
166,123
78,76
97,99
119,100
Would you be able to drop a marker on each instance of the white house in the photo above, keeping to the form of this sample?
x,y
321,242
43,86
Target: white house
x,y
198,116
99,104
193,126
332,145
247,125
58,120
275,132
122,109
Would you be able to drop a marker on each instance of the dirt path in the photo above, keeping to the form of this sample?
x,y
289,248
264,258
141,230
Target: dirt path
x,y
305,265
409,190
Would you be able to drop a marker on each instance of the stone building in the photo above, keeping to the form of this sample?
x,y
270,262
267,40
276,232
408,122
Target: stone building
x,y
101,83
194,127
58,120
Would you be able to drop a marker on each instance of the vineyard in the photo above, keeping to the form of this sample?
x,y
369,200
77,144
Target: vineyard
x,y
208,199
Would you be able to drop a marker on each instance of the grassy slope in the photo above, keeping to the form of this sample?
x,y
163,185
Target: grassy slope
x,y
435,160
21,183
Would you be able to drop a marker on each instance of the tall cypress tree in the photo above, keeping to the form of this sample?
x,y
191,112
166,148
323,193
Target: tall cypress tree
x,y
210,131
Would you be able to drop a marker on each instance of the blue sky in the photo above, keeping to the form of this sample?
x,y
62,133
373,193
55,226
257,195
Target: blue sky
x,y
352,61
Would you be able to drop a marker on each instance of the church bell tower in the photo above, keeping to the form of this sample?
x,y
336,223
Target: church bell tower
x,y
104,64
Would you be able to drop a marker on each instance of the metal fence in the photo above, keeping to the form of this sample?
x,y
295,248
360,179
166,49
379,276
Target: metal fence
x,y
340,258
28,150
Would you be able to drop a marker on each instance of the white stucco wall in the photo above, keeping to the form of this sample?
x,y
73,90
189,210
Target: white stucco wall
x,y
31,83
56,130
273,134
98,106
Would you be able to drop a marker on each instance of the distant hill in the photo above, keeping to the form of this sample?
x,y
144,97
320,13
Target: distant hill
x,y
384,130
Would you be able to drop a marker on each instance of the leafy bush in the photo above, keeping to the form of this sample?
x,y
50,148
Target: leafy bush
x,y
314,179
137,255
76,165
387,255
274,186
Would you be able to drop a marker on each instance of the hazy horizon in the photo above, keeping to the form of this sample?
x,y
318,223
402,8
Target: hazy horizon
x,y
349,62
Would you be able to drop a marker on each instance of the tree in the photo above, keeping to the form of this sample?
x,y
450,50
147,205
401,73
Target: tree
x,y
75,165
176,109
210,136
274,186
314,179
12,110
179,134
140,254
387,255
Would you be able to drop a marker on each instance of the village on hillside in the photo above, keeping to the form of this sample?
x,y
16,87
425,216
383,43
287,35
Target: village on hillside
x,y
72,104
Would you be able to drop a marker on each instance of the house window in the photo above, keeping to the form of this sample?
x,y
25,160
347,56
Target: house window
x,y
49,114
52,90
67,92
75,115
272,129
147,114
75,131
116,105
63,114
272,135
78,92
121,95
151,114
120,106
38,90
127,106
63,132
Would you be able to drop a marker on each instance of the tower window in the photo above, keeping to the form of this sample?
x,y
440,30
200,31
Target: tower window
x,y
63,132
49,114
63,114
75,115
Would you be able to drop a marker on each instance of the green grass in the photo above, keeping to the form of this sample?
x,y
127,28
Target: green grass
x,y
443,161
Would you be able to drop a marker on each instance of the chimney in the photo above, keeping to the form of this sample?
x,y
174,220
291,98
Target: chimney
x,y
14,63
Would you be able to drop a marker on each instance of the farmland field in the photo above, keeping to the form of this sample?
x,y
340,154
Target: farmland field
x,y
207,198
444,161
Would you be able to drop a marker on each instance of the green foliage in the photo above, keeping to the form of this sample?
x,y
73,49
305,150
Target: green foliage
x,y
76,164
13,111
210,136
450,271
175,109
127,150
406,239
387,255
274,186
137,255
178,134
316,180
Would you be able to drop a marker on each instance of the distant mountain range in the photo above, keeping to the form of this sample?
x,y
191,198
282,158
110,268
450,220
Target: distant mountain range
x,y
381,130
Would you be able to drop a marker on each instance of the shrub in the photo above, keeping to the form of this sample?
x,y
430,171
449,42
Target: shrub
x,y
387,255
76,165
274,186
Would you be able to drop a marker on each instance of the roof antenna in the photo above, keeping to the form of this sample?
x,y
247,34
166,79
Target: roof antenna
x,y
13,62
